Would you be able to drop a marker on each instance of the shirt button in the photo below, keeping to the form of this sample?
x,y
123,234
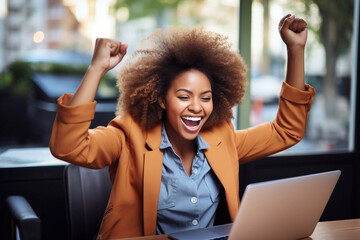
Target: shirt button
x,y
195,171
195,222
194,200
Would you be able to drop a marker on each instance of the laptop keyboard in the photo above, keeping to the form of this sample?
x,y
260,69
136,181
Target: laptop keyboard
x,y
220,238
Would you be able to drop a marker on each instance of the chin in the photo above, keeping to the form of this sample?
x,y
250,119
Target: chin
x,y
190,135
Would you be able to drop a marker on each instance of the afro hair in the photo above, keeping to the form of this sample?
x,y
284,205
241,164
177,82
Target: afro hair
x,y
147,74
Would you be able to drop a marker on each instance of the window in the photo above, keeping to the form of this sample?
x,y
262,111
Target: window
x,y
64,32
135,21
330,67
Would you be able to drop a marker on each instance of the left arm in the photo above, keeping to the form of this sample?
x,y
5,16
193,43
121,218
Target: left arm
x,y
286,130
289,126
293,32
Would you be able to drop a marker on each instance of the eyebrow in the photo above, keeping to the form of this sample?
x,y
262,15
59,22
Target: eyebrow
x,y
188,91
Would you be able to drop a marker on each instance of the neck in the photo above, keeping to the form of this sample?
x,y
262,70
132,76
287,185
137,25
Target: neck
x,y
185,149
182,146
186,152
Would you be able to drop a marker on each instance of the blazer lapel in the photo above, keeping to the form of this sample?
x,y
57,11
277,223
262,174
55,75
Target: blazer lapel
x,y
218,160
152,179
221,165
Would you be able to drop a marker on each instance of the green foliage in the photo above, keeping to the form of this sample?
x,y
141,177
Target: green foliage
x,y
107,87
143,8
58,69
16,80
20,70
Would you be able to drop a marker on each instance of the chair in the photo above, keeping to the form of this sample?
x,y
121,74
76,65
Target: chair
x,y
24,219
87,193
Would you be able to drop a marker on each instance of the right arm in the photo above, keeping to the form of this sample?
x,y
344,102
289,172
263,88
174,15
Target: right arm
x,y
107,54
71,139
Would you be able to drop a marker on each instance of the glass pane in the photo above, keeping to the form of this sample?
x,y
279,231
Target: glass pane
x,y
62,34
135,21
328,68
74,25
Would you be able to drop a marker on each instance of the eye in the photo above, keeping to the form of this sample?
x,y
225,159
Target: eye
x,y
206,98
183,97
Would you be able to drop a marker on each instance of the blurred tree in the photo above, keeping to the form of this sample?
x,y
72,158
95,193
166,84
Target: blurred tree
x,y
164,11
266,53
144,8
335,32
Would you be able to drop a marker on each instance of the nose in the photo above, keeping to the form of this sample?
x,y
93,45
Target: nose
x,y
195,106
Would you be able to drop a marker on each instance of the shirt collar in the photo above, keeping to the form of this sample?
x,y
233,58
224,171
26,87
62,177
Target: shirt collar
x,y
165,142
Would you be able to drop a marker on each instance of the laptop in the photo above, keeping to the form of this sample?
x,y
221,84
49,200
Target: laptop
x,y
285,209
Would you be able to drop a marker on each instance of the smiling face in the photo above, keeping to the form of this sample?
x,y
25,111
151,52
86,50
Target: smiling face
x,y
188,104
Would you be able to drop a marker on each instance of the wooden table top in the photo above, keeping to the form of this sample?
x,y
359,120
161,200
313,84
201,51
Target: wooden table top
x,y
337,230
329,230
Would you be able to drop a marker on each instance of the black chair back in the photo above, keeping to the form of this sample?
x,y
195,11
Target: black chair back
x,y
87,194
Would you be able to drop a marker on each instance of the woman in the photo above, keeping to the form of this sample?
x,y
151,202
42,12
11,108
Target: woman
x,y
172,151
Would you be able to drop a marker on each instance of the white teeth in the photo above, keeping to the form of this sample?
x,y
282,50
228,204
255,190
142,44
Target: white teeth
x,y
192,118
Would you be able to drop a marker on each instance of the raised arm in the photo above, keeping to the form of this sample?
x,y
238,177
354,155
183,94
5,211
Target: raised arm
x,y
289,126
71,138
107,54
293,32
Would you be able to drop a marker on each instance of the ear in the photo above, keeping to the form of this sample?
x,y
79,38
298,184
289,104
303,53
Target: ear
x,y
161,102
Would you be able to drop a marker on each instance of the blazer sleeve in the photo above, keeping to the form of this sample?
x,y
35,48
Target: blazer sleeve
x,y
73,141
286,130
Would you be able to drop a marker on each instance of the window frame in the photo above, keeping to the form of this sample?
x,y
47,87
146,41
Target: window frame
x,y
286,165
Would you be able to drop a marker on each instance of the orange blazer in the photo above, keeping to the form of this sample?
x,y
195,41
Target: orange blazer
x,y
135,159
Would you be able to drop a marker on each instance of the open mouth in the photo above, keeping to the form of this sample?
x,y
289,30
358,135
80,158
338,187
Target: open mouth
x,y
191,122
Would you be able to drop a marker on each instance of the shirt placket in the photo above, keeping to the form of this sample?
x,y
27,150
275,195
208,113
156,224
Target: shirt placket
x,y
194,199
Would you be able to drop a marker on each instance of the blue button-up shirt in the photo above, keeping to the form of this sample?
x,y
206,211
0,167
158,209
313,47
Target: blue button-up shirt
x,y
186,202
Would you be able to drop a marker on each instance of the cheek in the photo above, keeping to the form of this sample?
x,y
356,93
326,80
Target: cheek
x,y
174,109
176,106
209,109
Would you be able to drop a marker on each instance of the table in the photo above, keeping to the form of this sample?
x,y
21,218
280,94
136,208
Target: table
x,y
337,230
29,157
330,230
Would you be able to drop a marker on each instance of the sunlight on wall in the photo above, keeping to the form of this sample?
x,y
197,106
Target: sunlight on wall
x,y
3,8
94,17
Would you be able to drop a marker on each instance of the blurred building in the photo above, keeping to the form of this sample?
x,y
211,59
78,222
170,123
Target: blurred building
x,y
36,24
62,27
95,18
51,24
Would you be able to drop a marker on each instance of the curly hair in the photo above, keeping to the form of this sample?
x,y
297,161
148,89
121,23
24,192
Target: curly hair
x,y
147,74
